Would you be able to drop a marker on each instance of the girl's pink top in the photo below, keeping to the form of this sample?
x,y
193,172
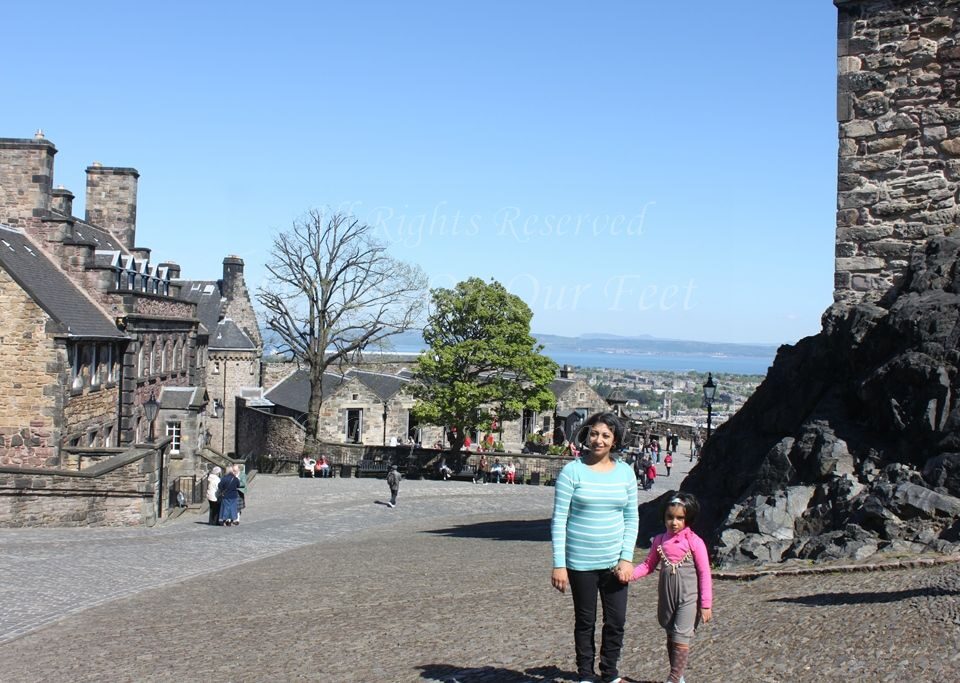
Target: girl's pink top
x,y
675,547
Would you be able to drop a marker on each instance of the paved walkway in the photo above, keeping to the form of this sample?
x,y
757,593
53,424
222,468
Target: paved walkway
x,y
321,582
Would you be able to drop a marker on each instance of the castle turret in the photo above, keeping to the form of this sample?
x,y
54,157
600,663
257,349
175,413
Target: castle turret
x,y
112,201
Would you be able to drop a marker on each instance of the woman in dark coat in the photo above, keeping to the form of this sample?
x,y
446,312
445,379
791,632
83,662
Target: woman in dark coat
x,y
229,499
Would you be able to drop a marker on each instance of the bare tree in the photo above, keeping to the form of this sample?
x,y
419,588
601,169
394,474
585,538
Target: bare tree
x,y
333,291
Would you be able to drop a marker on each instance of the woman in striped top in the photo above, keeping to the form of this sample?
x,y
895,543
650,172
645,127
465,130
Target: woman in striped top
x,y
594,532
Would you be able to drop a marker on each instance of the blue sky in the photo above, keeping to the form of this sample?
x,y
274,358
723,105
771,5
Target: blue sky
x,y
631,168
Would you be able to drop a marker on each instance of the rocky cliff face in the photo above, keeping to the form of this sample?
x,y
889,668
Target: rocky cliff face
x,y
851,446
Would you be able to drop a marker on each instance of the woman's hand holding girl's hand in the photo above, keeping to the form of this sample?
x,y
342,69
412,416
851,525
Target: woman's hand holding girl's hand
x,y
558,577
624,571
706,614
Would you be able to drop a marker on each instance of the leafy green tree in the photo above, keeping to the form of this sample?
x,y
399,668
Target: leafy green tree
x,y
482,365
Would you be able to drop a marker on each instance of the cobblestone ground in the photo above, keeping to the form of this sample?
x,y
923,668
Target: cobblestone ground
x,y
322,582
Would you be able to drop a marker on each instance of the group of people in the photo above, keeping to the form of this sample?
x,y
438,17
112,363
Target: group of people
x,y
226,495
319,468
594,531
502,472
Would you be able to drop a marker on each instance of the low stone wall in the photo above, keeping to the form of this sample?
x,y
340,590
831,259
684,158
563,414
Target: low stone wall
x,y
263,434
113,490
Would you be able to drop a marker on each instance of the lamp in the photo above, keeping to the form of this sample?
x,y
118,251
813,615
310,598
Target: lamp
x,y
384,423
150,408
709,391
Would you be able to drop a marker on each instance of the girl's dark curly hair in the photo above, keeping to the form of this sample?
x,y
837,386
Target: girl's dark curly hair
x,y
689,502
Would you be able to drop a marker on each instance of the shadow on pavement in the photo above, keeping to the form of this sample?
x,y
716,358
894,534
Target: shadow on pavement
x,y
493,674
520,530
826,599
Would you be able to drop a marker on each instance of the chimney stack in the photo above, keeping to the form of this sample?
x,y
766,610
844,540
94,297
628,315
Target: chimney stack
x,y
112,201
62,201
26,177
232,277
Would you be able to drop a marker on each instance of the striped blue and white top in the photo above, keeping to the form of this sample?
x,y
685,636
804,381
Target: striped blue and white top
x,y
594,517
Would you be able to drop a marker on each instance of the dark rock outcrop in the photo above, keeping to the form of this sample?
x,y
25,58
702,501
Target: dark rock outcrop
x,y
851,445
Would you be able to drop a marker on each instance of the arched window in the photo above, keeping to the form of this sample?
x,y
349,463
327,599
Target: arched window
x,y
157,356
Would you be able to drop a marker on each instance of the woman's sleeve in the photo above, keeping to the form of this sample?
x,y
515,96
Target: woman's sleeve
x,y
649,564
562,495
631,518
701,561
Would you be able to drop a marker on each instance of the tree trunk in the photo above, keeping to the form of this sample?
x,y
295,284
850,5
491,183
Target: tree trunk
x,y
311,441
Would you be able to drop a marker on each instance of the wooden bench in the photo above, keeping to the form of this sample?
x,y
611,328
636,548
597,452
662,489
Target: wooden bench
x,y
372,468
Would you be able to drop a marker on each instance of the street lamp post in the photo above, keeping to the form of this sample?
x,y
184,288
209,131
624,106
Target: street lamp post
x,y
150,409
384,423
709,391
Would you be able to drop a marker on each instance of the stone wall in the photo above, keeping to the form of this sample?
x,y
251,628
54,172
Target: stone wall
x,y
32,365
262,433
234,371
899,156
115,489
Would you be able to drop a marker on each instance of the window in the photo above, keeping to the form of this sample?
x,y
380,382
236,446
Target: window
x,y
175,361
216,367
107,436
76,378
157,358
95,367
114,363
91,438
173,431
354,425
164,349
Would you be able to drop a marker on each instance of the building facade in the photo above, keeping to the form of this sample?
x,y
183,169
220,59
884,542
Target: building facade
x,y
95,336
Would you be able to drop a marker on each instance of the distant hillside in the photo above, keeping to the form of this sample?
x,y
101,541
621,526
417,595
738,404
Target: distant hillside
x,y
598,343
651,345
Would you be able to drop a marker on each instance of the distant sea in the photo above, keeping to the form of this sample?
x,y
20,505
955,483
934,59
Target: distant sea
x,y
736,365
679,362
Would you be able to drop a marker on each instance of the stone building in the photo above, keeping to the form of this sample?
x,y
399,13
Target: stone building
x,y
899,154
94,333
361,406
234,347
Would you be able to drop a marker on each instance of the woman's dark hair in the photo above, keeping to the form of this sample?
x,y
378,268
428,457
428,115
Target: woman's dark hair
x,y
610,420
689,502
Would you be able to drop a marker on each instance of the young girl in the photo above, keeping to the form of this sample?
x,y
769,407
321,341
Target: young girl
x,y
685,588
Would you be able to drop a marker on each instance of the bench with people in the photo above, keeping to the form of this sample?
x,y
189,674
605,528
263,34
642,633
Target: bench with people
x,y
320,468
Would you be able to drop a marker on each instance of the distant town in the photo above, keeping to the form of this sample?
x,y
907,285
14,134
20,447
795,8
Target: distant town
x,y
676,397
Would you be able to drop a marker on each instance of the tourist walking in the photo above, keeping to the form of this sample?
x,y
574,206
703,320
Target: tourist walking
x,y
668,462
229,489
685,589
241,474
593,543
393,481
651,476
480,476
213,482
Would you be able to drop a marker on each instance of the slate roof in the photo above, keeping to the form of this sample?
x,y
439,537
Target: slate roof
x,y
227,335
383,385
182,398
100,238
52,290
207,296
560,386
293,391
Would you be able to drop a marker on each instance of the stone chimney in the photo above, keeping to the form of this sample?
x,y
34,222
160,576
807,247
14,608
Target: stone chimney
x,y
112,201
566,371
26,177
62,201
232,277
